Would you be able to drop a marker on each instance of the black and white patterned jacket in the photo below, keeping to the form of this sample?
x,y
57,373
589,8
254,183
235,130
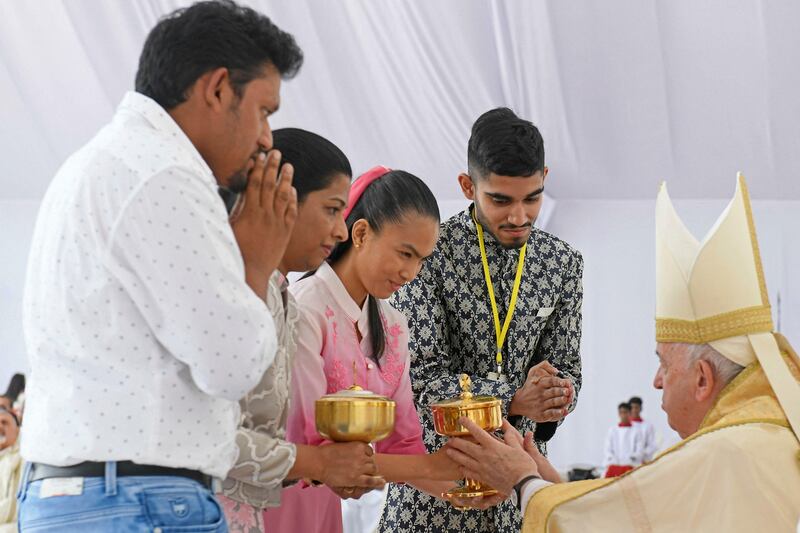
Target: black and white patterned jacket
x,y
452,331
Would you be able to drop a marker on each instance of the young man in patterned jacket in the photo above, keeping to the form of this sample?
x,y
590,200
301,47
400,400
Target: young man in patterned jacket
x,y
522,343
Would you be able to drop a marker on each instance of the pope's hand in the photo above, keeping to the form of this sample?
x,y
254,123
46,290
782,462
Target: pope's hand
x,y
498,463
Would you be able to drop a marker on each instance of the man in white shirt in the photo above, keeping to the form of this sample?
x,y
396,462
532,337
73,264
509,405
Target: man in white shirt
x,y
645,429
144,310
623,449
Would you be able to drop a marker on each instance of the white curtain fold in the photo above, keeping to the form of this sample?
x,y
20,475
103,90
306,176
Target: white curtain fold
x,y
626,93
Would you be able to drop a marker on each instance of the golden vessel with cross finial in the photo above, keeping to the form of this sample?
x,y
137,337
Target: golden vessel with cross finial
x,y
485,411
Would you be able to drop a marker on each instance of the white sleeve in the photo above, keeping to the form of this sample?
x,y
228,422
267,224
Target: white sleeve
x,y
173,250
609,450
649,442
529,489
638,452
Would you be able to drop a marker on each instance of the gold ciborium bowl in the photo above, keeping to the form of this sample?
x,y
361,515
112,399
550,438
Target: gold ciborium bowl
x,y
354,415
484,411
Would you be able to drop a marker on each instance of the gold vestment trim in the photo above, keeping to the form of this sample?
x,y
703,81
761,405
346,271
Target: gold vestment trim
x,y
762,283
756,319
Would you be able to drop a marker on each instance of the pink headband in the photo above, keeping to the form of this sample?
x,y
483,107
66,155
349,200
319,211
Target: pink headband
x,y
361,184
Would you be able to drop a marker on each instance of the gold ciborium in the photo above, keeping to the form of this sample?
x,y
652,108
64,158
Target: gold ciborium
x,y
354,414
484,411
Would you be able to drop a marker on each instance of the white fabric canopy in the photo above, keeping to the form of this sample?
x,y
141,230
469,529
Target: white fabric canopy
x,y
627,93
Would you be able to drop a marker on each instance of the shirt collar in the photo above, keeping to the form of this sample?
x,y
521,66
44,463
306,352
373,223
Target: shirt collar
x,y
623,425
160,120
340,294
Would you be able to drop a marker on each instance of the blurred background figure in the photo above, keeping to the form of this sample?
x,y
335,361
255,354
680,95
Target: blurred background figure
x,y
10,468
578,472
14,397
623,449
645,428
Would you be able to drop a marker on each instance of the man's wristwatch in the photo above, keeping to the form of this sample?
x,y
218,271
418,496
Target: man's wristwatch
x,y
516,496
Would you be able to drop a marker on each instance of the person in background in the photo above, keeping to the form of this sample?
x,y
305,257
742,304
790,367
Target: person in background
x,y
348,333
267,461
645,427
10,470
14,397
145,311
623,449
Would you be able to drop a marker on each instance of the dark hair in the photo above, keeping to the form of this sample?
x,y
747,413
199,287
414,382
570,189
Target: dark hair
x,y
636,400
386,200
624,405
205,36
15,387
504,144
315,159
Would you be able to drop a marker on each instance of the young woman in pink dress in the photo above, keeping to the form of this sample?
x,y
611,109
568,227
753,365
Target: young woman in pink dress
x,y
344,321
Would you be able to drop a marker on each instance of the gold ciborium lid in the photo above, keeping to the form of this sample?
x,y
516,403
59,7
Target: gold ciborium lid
x,y
483,410
354,414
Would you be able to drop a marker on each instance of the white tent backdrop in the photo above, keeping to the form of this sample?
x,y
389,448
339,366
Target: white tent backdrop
x,y
626,93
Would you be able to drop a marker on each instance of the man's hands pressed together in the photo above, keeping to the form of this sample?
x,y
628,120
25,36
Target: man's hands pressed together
x,y
264,224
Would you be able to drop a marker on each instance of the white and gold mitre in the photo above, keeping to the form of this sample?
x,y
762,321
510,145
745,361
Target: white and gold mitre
x,y
714,292
710,290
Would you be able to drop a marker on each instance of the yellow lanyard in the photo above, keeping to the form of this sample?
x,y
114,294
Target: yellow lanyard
x,y
500,334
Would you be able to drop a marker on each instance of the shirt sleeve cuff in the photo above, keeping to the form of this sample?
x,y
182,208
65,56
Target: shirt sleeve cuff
x,y
529,489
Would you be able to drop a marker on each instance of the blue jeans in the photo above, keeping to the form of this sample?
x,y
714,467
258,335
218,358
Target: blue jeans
x,y
159,504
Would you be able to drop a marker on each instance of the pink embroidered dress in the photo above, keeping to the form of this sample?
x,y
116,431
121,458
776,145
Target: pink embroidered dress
x,y
327,347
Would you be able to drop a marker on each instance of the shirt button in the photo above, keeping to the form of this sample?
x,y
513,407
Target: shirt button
x,y
369,366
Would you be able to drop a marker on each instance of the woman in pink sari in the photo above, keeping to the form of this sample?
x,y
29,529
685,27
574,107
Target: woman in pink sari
x,y
346,324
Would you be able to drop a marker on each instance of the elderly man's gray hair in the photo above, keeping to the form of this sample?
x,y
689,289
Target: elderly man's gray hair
x,y
724,369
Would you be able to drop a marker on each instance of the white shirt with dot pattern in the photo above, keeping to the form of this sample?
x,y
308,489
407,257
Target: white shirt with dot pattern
x,y
142,334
